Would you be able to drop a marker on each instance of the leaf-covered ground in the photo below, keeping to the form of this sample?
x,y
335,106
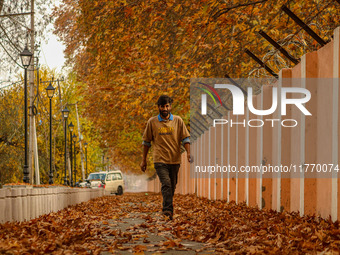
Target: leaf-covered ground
x,y
132,223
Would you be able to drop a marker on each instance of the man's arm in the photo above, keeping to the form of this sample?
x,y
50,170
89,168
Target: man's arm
x,y
184,133
147,138
143,165
186,143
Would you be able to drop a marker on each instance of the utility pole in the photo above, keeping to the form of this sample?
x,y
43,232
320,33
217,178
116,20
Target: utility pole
x,y
35,141
80,145
33,148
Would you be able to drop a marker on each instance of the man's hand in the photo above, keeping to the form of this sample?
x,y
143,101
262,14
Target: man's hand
x,y
145,153
187,148
190,158
143,165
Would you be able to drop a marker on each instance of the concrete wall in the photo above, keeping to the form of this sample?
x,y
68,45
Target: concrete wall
x,y
315,141
20,204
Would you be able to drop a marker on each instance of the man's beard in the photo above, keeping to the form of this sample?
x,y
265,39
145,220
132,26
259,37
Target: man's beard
x,y
164,114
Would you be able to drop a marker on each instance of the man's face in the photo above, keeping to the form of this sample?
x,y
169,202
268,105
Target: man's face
x,y
164,110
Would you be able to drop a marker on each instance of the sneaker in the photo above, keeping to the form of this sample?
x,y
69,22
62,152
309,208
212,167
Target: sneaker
x,y
168,214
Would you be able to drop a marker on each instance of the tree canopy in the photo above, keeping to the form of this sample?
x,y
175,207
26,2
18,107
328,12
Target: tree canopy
x,y
127,53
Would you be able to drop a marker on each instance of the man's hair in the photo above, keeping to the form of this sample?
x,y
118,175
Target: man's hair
x,y
164,99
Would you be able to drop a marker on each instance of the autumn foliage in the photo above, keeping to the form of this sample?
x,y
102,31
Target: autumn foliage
x,y
129,52
96,226
12,130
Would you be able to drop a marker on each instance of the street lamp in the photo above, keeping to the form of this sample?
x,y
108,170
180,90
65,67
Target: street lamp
x,y
75,171
65,113
26,57
50,92
70,127
85,145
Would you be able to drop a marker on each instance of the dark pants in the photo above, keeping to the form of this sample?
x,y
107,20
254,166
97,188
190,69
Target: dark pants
x,y
167,174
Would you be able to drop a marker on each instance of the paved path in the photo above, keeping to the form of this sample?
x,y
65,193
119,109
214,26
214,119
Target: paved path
x,y
135,233
147,233
132,224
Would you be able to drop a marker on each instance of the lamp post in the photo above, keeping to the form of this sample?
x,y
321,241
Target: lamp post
x,y
85,145
50,92
65,112
70,127
75,171
26,57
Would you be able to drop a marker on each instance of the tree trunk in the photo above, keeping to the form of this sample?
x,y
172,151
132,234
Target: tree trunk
x,y
1,4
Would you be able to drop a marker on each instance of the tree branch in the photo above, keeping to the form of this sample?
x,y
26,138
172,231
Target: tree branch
x,y
7,142
221,12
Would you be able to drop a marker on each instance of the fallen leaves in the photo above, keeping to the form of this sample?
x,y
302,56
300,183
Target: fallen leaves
x,y
170,243
97,226
247,229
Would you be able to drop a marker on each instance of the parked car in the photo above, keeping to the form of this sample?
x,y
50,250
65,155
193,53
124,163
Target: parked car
x,y
81,184
112,181
96,180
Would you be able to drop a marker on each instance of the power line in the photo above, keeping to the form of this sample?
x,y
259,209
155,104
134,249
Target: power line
x,y
10,85
16,14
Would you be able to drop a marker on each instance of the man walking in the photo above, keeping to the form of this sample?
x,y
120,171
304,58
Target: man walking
x,y
166,131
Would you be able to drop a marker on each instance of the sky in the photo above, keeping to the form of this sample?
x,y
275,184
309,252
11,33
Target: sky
x,y
52,51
